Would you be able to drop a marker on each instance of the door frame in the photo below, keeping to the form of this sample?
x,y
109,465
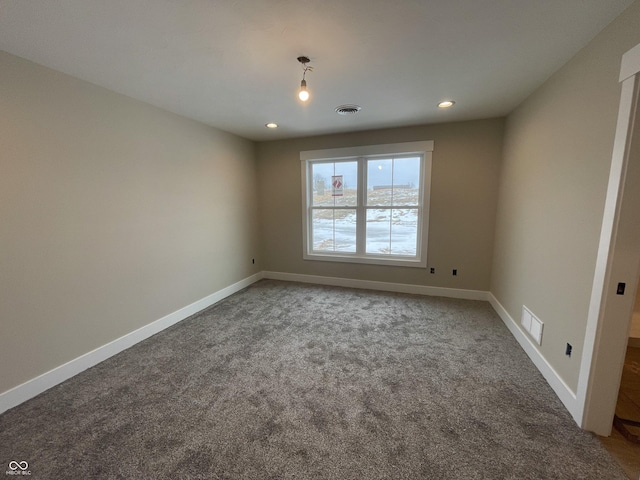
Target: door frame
x,y
618,261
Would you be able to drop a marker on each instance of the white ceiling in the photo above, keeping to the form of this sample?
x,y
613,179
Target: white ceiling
x,y
232,63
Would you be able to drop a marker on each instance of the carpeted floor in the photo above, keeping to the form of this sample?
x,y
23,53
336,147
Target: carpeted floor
x,y
293,381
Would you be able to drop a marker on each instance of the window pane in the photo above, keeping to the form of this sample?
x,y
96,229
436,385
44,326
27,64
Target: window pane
x,y
406,181
378,231
379,182
348,171
392,231
345,230
323,176
333,230
404,231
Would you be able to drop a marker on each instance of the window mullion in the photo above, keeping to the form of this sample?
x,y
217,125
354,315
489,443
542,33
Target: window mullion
x,y
361,215
309,212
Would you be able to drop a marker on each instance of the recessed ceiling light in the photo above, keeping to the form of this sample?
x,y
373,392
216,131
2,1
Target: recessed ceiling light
x,y
271,125
446,104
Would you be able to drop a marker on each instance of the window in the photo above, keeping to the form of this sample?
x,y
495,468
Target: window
x,y
367,204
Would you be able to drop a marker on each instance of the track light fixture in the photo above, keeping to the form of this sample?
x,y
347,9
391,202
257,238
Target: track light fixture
x,y
303,93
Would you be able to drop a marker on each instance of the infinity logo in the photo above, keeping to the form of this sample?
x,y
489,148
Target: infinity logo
x,y
13,465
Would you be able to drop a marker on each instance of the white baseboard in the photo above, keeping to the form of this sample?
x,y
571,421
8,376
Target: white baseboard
x,y
562,390
35,386
384,286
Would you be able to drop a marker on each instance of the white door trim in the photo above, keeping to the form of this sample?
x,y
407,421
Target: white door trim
x,y
609,314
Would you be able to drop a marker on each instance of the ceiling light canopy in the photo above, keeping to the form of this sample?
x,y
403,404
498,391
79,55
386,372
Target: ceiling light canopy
x,y
446,104
303,93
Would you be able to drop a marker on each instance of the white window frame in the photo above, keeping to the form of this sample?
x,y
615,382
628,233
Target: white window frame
x,y
423,149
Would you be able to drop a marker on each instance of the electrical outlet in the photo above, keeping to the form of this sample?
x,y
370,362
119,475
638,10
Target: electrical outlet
x,y
432,270
253,260
455,272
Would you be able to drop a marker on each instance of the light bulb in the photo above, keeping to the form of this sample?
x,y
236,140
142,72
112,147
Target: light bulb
x,y
303,94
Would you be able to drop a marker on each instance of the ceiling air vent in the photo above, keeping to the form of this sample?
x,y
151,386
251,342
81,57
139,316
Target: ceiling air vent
x,y
348,109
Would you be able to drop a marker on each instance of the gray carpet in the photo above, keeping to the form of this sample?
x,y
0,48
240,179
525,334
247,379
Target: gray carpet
x,y
291,381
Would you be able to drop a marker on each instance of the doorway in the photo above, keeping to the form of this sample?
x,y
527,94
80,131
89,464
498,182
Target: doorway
x,y
627,416
617,266
624,442
634,331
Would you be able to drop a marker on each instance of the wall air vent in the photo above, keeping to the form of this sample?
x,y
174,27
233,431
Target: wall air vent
x,y
348,109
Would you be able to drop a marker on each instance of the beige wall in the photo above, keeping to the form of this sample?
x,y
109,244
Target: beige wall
x,y
557,153
113,214
466,160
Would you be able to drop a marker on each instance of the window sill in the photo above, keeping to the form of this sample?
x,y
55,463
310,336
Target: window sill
x,y
368,260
